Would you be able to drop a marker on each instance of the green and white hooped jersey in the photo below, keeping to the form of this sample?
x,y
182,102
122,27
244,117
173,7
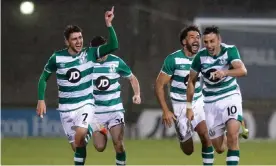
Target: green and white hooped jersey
x,y
215,89
74,74
177,65
107,89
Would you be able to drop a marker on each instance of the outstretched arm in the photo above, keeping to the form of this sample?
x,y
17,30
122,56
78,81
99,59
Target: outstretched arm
x,y
112,43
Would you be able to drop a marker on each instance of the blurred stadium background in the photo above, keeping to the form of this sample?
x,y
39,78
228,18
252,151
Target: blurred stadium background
x,y
147,31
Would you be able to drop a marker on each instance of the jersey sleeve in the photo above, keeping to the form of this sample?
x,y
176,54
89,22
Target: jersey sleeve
x,y
51,66
196,64
124,69
169,65
233,54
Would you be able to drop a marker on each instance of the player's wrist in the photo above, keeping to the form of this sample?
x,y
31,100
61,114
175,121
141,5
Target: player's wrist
x,y
189,105
108,24
226,72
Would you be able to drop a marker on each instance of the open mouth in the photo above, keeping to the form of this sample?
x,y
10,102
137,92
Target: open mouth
x,y
78,46
195,46
211,50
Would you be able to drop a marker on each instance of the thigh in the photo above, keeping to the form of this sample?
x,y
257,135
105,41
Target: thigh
x,y
102,119
232,106
85,116
199,116
117,133
67,121
115,118
214,120
183,129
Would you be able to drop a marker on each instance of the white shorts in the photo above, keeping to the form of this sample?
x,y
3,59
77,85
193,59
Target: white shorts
x,y
219,112
81,117
108,120
183,129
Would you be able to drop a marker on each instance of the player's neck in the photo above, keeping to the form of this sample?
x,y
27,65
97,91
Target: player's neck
x,y
72,52
217,52
187,53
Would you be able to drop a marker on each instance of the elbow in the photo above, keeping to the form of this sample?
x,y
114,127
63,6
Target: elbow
x,y
244,71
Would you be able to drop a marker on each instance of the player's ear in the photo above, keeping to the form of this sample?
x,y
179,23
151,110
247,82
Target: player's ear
x,y
66,42
184,42
219,38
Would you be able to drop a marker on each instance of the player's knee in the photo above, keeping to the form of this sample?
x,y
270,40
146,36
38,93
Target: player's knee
x,y
119,146
232,140
100,148
205,140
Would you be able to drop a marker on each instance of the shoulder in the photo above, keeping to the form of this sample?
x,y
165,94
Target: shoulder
x,y
202,52
61,52
228,47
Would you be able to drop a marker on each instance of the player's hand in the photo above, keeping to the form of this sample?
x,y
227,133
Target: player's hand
x,y
41,108
190,114
218,74
109,15
136,99
168,118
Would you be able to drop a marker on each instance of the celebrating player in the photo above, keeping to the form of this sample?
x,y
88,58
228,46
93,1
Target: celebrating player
x,y
219,64
109,108
73,68
175,71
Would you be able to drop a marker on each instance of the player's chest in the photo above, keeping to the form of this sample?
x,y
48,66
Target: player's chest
x,y
106,68
208,62
182,66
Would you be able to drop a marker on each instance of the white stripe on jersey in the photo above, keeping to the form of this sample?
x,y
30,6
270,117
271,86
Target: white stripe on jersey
x,y
218,89
212,98
67,83
225,67
66,107
109,108
181,73
182,96
76,93
181,85
211,60
81,68
179,61
107,64
108,96
108,75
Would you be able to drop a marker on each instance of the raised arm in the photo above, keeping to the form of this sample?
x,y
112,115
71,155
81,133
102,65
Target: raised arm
x,y
112,43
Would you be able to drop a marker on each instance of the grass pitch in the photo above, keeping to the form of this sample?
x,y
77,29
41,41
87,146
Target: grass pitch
x,y
56,151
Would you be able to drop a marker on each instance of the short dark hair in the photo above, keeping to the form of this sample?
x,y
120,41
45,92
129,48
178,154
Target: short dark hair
x,y
184,32
71,29
211,29
97,41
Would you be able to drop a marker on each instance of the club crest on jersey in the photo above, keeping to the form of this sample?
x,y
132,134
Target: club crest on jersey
x,y
83,58
62,65
222,61
112,68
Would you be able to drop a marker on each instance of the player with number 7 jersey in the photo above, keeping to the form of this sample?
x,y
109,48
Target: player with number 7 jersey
x,y
73,67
